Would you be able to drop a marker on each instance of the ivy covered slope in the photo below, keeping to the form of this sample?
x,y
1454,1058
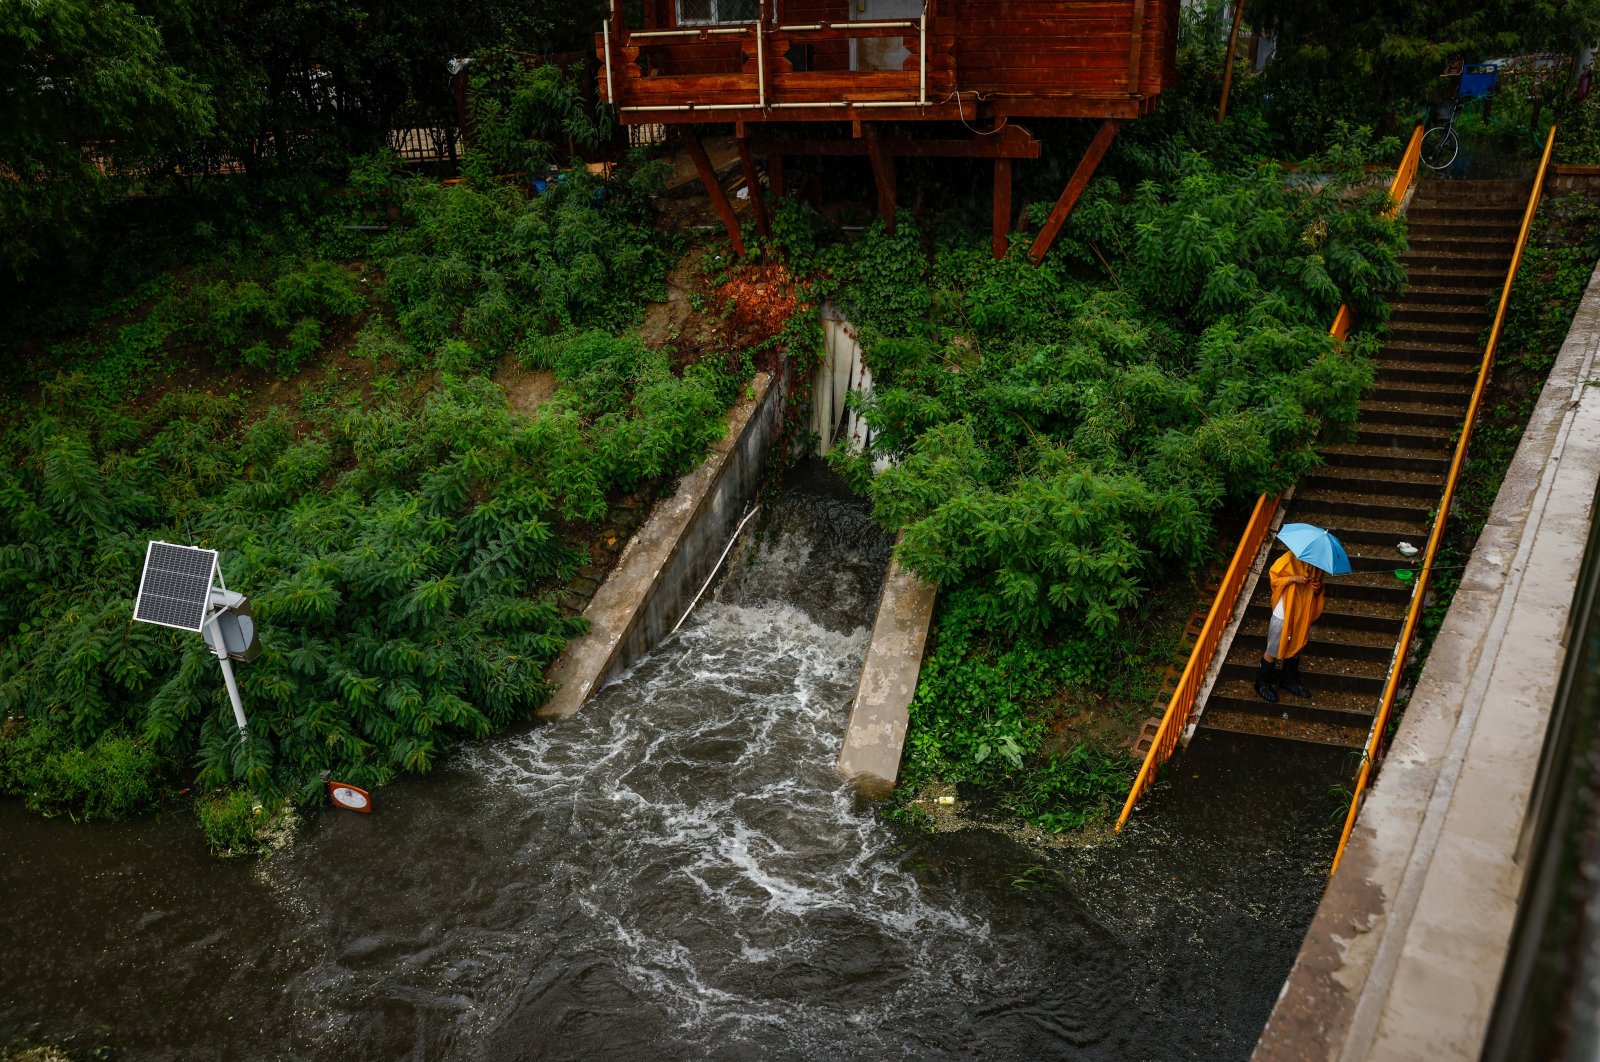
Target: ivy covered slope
x,y
397,529
1063,437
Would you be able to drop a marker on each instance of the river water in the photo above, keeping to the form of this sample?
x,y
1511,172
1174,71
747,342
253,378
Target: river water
x,y
678,873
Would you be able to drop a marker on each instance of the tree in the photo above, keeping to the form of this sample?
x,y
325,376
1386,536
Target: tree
x,y
1361,61
88,97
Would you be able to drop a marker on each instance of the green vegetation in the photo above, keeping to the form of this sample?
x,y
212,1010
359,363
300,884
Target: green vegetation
x,y
1063,437
113,777
1375,63
101,98
399,529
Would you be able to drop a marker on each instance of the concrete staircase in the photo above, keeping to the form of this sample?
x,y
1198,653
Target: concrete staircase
x,y
1383,486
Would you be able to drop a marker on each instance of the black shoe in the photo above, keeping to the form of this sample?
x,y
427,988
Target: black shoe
x,y
1265,679
1291,677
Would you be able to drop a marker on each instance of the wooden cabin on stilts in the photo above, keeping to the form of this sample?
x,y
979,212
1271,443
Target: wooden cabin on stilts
x,y
904,78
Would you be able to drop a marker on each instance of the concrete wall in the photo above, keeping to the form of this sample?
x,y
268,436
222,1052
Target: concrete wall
x,y
876,734
1404,956
671,555
1559,183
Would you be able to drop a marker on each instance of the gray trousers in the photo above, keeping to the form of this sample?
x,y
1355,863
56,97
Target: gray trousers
x,y
1274,635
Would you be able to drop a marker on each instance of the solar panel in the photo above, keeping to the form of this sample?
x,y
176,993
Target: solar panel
x,y
176,586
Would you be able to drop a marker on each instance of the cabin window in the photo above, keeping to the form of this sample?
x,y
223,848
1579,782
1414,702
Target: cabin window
x,y
691,12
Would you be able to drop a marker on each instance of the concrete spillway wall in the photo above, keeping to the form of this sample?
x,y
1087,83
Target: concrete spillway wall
x,y
880,713
671,555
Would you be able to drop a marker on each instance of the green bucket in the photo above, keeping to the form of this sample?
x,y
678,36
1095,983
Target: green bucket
x,y
1404,574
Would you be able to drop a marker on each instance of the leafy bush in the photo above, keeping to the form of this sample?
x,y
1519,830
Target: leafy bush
x,y
520,112
975,718
484,265
1059,438
111,778
229,821
1053,441
274,321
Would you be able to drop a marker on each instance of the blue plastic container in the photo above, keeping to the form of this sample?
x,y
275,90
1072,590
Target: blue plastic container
x,y
1478,80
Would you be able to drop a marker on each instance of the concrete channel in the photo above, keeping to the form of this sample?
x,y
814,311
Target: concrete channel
x,y
672,554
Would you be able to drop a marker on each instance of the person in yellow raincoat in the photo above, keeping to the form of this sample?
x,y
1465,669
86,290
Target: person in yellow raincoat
x,y
1296,604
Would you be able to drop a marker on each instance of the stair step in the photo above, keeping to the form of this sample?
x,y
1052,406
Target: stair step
x,y
1470,243
1353,708
1415,437
1376,412
1441,374
1344,643
1434,259
1366,456
1322,508
1442,270
1466,317
1495,223
1452,390
1466,355
1323,674
1345,614
1426,485
1449,289
1456,328
1382,532
1220,719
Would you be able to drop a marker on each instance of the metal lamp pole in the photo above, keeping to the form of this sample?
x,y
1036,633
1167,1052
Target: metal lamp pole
x,y
214,639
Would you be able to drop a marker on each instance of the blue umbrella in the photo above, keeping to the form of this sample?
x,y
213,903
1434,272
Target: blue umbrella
x,y
1316,547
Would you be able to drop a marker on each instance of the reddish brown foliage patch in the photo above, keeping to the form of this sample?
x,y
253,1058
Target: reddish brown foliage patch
x,y
763,298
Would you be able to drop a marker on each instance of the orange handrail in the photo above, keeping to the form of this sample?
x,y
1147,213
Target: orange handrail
x,y
1397,665
1407,171
1205,647
1181,706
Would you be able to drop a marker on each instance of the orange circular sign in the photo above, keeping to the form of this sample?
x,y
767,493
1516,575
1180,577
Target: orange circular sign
x,y
350,797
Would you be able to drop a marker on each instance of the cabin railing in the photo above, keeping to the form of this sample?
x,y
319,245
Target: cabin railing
x,y
660,70
1182,705
1419,593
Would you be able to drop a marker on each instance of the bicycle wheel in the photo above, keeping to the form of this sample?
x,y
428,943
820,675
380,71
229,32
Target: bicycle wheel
x,y
1439,147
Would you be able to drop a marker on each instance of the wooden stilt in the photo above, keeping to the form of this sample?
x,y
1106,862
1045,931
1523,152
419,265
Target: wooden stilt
x,y
1227,66
719,198
777,176
882,173
1002,207
1074,189
752,181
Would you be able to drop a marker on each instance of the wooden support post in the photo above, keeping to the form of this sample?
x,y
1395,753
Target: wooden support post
x,y
777,176
882,173
1135,47
1227,65
719,198
1002,207
752,181
1075,186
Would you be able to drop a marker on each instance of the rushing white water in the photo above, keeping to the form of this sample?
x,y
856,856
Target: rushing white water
x,y
732,867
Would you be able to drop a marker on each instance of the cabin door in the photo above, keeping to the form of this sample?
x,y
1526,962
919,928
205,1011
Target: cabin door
x,y
881,53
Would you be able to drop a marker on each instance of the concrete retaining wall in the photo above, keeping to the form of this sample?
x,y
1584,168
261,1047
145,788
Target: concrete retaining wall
x,y
671,555
876,735
1404,956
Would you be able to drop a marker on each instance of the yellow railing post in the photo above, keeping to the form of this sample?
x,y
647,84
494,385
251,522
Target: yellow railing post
x,y
1397,665
1181,706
